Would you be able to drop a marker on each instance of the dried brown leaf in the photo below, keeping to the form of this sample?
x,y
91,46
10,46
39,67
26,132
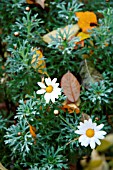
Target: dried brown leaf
x,y
89,74
70,86
41,3
84,116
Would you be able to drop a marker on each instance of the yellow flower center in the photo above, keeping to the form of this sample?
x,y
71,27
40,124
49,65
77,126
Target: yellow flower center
x,y
90,133
49,89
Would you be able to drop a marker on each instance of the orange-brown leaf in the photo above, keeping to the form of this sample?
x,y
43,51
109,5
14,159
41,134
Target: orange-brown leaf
x,y
32,131
30,1
70,86
71,108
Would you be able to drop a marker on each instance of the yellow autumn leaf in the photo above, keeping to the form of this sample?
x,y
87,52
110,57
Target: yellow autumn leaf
x,y
38,61
95,163
72,29
83,36
32,131
105,143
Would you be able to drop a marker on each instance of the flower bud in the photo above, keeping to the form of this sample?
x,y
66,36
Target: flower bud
x,y
19,133
16,34
56,112
27,8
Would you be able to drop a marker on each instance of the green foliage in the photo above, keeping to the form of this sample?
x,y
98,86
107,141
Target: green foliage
x,y
99,94
67,11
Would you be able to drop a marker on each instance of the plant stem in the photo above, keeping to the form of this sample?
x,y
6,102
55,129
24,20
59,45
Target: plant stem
x,y
67,122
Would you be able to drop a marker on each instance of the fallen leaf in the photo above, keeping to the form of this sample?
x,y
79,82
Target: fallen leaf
x,y
2,167
38,61
105,143
70,86
30,1
40,2
73,31
83,36
71,108
32,131
89,74
96,162
86,20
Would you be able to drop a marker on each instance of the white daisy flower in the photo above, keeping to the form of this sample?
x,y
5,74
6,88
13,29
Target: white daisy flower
x,y
51,91
90,133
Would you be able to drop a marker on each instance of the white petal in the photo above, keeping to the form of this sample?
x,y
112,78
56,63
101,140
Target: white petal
x,y
57,91
42,85
41,91
97,141
54,81
85,121
47,97
48,81
81,123
56,85
52,98
92,144
81,138
99,127
100,134
90,120
84,143
80,132
84,140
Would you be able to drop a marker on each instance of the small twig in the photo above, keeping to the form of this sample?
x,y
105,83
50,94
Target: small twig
x,y
72,141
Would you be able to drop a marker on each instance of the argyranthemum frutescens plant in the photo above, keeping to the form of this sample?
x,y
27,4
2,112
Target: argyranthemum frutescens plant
x,y
49,118
47,125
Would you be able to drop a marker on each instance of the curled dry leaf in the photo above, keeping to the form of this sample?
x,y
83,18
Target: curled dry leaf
x,y
89,74
70,107
70,86
84,116
72,29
